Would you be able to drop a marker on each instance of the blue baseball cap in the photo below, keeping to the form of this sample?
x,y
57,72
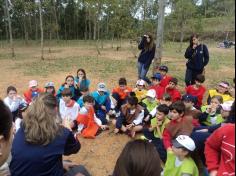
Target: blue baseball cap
x,y
163,68
188,97
157,76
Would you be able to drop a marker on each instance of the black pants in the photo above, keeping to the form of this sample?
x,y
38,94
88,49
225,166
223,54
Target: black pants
x,y
158,143
77,169
191,75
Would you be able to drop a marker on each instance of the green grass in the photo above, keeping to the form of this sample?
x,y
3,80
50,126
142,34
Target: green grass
x,y
220,67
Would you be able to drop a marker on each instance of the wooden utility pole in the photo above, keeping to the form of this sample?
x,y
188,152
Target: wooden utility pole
x,y
41,27
10,30
160,30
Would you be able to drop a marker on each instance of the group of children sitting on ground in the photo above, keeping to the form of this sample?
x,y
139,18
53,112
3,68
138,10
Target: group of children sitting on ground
x,y
180,126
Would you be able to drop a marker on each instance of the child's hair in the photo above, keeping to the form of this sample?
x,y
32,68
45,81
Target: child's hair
x,y
122,81
166,97
218,97
132,94
40,121
84,89
200,78
11,88
174,80
132,100
68,76
178,106
138,158
88,99
163,108
66,92
81,70
5,121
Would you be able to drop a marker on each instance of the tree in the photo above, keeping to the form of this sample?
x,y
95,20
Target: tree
x,y
10,29
41,25
160,30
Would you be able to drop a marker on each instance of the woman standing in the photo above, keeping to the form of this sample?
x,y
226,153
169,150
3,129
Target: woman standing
x,y
147,47
198,57
41,141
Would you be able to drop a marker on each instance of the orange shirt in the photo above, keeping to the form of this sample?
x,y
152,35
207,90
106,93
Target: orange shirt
x,y
123,93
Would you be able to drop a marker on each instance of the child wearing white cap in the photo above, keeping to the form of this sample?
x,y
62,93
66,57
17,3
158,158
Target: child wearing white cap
x,y
140,90
179,162
32,92
149,103
102,102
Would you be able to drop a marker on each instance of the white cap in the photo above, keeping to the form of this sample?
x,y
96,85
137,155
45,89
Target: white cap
x,y
226,106
184,141
102,87
49,84
151,93
140,82
33,83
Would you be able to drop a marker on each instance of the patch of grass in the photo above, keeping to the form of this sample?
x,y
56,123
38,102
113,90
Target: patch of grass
x,y
101,67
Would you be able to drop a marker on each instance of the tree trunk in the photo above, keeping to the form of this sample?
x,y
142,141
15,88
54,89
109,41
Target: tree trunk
x,y
90,25
10,30
86,25
160,29
36,26
41,28
6,22
56,19
95,27
181,36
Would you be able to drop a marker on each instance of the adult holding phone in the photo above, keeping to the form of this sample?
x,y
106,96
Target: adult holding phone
x,y
147,47
197,56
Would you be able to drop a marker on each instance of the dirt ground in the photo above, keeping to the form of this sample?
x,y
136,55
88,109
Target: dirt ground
x,y
98,155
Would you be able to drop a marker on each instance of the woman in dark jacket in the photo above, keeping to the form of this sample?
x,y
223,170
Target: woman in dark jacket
x,y
147,47
198,57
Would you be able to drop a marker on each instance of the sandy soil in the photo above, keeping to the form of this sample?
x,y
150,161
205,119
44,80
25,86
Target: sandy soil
x,y
98,155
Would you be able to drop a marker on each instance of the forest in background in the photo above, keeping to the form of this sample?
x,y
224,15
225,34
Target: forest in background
x,y
116,19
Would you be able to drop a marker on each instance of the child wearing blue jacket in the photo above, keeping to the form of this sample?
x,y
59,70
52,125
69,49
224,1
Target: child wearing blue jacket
x,y
102,102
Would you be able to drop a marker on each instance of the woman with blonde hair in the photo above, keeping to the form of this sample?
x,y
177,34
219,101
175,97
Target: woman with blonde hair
x,y
41,141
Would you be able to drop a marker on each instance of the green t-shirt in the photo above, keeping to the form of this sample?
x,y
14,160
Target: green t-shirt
x,y
162,127
216,119
150,105
187,166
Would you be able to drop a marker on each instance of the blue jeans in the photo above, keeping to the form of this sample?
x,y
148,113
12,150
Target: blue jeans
x,y
142,72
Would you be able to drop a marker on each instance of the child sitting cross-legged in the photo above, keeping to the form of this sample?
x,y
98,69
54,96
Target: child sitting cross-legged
x,y
189,102
130,118
179,161
179,124
211,113
88,123
140,90
68,108
154,133
156,85
172,90
197,90
149,103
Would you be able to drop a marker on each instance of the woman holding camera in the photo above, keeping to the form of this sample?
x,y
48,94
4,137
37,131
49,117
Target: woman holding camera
x,y
147,47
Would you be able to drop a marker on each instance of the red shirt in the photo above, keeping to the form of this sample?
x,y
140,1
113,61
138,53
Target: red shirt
x,y
123,93
220,150
199,93
165,81
159,91
174,93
